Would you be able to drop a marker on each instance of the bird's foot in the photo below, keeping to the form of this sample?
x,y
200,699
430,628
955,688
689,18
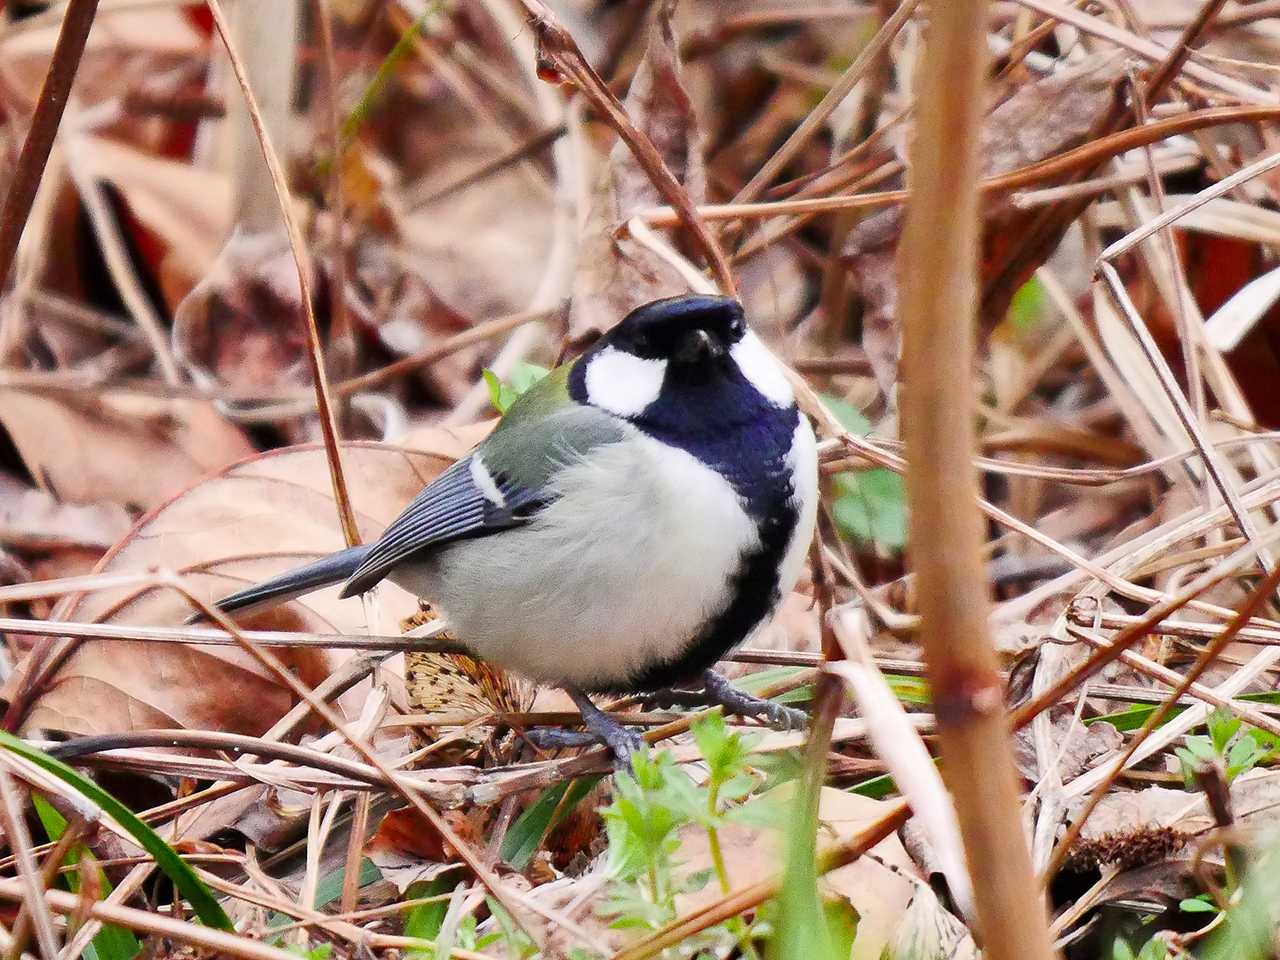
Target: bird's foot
x,y
622,741
718,691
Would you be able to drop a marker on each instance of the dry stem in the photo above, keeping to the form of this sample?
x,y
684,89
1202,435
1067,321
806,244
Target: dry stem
x,y
938,276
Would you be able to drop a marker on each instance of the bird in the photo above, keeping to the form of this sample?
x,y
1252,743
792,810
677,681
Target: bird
x,y
633,517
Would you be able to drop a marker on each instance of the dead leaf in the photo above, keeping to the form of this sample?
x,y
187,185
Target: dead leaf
x,y
242,324
243,525
35,520
481,250
879,886
118,447
616,274
187,208
1075,743
149,39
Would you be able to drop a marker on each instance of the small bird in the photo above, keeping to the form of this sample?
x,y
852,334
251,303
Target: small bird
x,y
634,516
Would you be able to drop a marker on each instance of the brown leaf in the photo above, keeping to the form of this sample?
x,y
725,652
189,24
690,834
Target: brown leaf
x,y
878,892
123,448
187,208
616,274
246,524
35,520
242,324
1075,745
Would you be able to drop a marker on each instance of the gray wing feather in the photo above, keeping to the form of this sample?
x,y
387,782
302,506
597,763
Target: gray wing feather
x,y
452,507
331,569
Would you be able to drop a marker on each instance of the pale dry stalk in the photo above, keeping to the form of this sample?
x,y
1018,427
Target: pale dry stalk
x,y
939,303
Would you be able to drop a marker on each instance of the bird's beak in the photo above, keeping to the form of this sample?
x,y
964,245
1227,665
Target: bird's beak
x,y
698,347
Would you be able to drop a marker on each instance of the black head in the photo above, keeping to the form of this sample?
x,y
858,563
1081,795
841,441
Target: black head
x,y
689,331
683,364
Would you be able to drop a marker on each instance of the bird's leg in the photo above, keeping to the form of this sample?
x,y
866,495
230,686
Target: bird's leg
x,y
718,691
601,727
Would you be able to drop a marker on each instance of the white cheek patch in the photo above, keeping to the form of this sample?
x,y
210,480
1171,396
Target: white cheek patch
x,y
622,383
762,370
484,482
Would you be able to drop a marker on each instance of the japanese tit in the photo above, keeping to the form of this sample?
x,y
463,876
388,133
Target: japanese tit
x,y
633,517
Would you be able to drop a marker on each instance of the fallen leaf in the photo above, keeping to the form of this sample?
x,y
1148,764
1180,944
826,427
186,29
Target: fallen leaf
x,y
879,886
248,523
35,520
187,208
243,324
1075,744
118,447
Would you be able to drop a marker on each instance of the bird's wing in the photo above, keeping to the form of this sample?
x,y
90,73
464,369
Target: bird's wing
x,y
498,486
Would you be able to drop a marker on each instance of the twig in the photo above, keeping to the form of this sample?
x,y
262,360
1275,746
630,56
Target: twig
x,y
1260,595
218,941
29,880
1227,568
938,274
315,353
72,37
76,828
867,56
562,53
1087,156
1208,456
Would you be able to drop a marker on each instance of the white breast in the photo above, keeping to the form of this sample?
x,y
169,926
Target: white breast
x,y
618,573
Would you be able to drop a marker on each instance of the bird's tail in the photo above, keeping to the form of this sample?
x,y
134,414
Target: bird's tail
x,y
331,569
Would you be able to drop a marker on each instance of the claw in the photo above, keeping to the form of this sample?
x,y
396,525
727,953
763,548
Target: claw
x,y
624,742
720,690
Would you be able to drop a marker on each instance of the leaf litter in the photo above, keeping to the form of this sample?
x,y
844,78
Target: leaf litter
x,y
472,190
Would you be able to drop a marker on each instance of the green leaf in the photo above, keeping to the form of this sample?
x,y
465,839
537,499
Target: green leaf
x,y
111,942
503,395
872,507
1243,757
803,933
1222,727
525,376
1027,309
1198,904
546,813
174,867
525,836
849,416
329,888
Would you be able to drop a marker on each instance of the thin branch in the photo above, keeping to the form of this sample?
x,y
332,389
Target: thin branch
x,y
29,879
558,49
72,37
315,353
218,941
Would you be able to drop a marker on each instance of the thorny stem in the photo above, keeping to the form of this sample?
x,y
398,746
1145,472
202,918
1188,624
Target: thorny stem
x,y
44,128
